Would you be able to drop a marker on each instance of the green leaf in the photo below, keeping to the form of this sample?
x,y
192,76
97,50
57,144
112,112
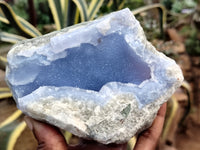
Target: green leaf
x,y
94,8
67,136
116,4
63,12
5,93
71,16
185,85
77,15
17,22
109,4
11,38
3,62
64,8
83,9
10,130
172,112
11,118
131,143
56,11
121,5
2,18
4,89
27,27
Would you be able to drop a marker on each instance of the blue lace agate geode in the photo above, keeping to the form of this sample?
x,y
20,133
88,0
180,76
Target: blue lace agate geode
x,y
100,80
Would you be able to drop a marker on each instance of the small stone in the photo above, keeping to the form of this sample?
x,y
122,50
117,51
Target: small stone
x,y
100,80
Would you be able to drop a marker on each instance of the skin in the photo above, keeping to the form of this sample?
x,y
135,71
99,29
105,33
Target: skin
x,y
50,138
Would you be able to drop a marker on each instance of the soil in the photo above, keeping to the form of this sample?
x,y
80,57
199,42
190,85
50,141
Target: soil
x,y
189,139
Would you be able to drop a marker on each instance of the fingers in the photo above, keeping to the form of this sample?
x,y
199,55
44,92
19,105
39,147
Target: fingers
x,y
92,145
148,139
48,137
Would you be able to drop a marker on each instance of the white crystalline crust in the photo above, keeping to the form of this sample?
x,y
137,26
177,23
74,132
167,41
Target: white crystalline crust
x,y
113,122
118,111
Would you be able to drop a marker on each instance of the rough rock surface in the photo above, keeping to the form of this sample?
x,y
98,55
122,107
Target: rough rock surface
x,y
100,80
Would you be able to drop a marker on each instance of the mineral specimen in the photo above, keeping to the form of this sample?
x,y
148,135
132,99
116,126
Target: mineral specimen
x,y
100,80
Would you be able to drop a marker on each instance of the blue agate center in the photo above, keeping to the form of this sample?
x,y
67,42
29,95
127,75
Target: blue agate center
x,y
90,67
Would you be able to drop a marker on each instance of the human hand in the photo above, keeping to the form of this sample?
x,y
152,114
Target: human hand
x,y
148,139
50,138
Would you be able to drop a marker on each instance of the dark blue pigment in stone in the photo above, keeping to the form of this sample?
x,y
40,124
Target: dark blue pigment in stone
x,y
90,67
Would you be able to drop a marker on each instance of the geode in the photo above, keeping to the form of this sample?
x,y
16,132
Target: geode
x,y
99,80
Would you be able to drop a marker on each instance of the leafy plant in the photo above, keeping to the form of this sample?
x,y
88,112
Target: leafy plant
x,y
8,16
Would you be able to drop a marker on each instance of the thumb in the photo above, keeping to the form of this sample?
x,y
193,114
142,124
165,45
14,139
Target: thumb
x,y
48,137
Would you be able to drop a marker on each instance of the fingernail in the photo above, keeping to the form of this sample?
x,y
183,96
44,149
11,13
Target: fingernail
x,y
28,122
